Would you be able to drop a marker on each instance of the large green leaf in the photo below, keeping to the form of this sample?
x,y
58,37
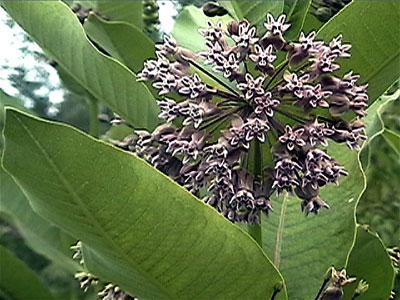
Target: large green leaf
x,y
296,12
372,27
141,230
126,11
369,260
121,40
54,27
18,281
39,234
303,248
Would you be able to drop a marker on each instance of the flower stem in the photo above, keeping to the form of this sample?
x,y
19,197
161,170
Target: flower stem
x,y
292,116
277,72
94,125
255,229
214,77
321,288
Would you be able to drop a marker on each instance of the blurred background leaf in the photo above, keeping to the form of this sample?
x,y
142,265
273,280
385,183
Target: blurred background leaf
x,y
17,281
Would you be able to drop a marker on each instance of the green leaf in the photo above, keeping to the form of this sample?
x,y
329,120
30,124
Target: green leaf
x,y
296,12
256,11
393,139
126,11
187,24
311,22
373,120
374,35
186,33
369,260
303,248
40,235
140,229
54,27
228,5
18,281
374,125
7,100
121,40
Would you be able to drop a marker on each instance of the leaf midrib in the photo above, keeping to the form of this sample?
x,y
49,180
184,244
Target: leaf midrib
x,y
79,201
279,233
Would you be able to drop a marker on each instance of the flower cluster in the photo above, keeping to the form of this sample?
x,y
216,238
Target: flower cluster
x,y
263,129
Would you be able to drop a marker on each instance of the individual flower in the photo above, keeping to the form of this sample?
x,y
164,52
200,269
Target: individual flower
x,y
265,104
213,32
278,26
246,35
216,136
292,138
251,87
264,58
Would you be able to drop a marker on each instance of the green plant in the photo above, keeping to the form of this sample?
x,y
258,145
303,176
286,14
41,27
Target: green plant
x,y
141,233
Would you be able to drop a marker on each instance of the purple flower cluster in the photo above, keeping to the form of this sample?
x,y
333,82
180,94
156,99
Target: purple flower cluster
x,y
237,144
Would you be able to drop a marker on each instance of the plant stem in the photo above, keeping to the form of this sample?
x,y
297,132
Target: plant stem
x,y
94,125
214,77
292,116
282,67
255,229
322,288
355,295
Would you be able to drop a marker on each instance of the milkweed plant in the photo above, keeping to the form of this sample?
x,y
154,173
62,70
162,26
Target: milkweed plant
x,y
242,119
